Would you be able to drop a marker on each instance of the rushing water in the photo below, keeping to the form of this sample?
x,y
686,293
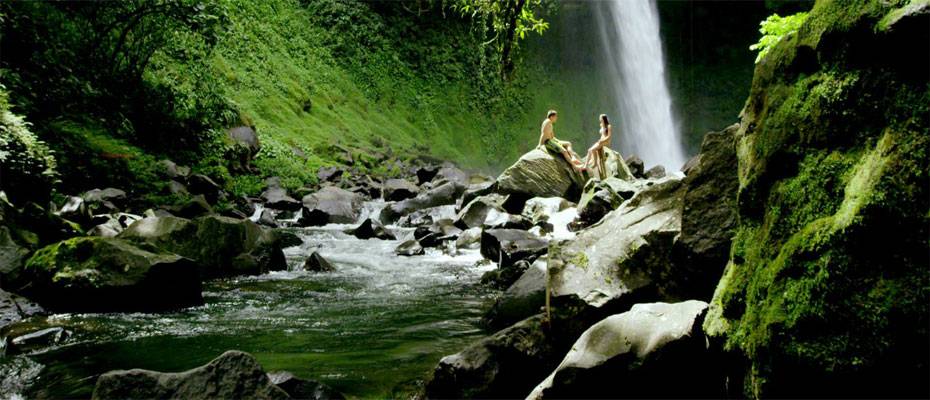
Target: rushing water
x,y
633,59
373,328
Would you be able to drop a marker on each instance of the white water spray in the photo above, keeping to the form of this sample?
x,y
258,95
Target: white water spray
x,y
629,31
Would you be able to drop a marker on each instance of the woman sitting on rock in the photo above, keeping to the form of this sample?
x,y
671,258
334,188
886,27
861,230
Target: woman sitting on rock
x,y
595,155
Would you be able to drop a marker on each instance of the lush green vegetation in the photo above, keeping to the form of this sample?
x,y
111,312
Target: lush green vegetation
x,y
26,164
773,29
827,280
113,87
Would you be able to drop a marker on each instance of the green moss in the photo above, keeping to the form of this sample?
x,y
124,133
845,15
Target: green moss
x,y
827,283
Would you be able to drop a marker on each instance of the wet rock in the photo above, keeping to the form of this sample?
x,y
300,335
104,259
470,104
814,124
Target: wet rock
x,y
540,174
480,211
653,350
522,299
104,200
316,263
627,254
469,239
655,172
266,218
637,166
399,189
88,274
15,308
330,205
37,340
505,365
232,375
409,248
329,174
223,246
298,388
194,207
507,246
74,209
444,194
372,229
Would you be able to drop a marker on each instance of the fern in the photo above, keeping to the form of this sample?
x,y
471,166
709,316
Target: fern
x,y
773,29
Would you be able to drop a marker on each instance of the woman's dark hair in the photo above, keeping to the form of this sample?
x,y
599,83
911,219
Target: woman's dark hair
x,y
605,120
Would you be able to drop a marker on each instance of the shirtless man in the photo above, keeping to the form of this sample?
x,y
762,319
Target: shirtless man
x,y
547,139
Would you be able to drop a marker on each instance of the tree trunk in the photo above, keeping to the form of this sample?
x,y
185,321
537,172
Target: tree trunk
x,y
506,59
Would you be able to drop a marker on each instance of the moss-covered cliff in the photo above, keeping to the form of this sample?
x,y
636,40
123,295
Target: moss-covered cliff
x,y
826,290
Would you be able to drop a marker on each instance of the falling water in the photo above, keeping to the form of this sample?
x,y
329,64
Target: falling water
x,y
629,31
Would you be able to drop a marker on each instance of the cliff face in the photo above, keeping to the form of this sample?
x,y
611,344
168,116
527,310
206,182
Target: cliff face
x,y
827,285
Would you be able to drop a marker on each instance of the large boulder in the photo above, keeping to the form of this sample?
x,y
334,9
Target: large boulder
x,y
521,300
398,189
91,274
223,246
541,174
507,246
330,205
444,194
232,375
652,351
709,216
627,255
475,190
506,365
825,292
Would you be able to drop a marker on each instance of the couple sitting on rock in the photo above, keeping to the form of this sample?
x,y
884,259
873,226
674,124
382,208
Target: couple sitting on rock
x,y
595,156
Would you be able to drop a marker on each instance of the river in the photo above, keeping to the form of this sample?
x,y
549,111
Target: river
x,y
374,328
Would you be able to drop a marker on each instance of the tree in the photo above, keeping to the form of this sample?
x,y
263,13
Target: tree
x,y
509,21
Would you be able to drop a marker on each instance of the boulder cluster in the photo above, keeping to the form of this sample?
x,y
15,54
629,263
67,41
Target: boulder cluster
x,y
600,274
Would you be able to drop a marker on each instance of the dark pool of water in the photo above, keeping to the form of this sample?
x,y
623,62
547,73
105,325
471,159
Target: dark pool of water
x,y
374,328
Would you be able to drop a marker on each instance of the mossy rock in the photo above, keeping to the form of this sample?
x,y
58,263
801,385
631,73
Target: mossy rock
x,y
91,274
826,289
224,246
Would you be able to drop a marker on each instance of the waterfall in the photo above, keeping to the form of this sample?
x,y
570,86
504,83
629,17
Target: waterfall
x,y
635,68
